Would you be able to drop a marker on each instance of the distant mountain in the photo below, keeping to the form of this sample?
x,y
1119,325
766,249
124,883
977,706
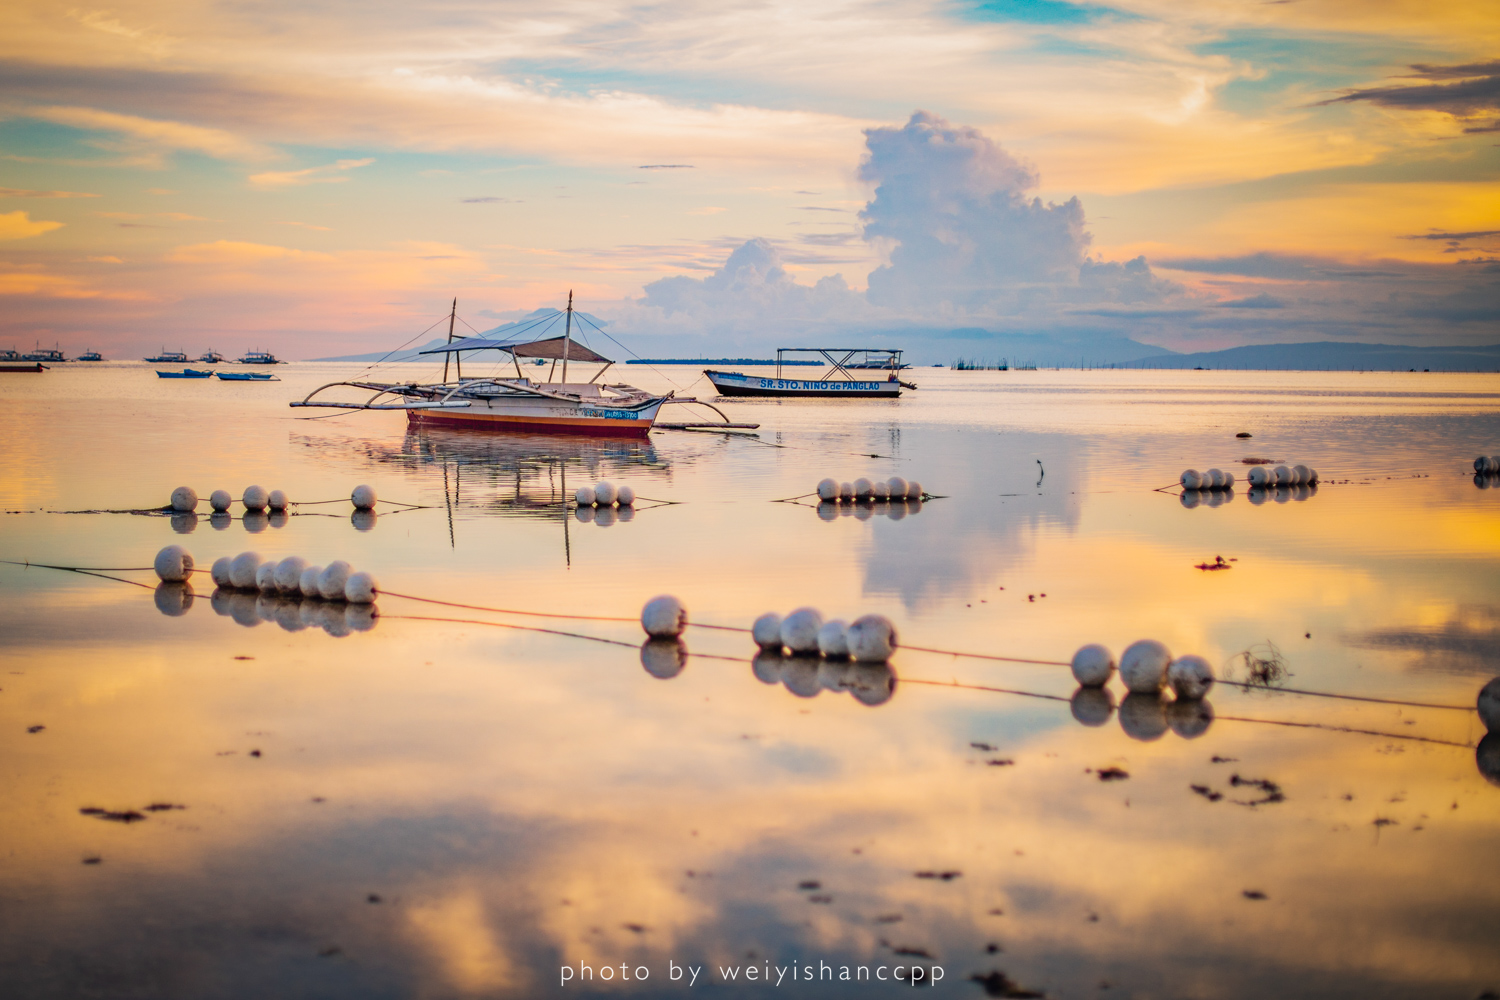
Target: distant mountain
x,y
1333,356
1055,349
534,325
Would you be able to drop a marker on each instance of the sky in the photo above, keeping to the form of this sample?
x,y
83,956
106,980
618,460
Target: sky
x,y
326,177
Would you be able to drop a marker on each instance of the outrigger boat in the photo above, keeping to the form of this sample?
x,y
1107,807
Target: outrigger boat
x,y
836,382
91,356
41,353
185,373
167,357
259,358
243,376
520,404
210,357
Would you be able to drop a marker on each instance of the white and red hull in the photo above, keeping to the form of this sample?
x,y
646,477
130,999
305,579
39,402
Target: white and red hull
x,y
544,415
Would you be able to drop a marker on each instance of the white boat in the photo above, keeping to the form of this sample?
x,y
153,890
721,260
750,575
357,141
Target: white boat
x,y
515,404
837,382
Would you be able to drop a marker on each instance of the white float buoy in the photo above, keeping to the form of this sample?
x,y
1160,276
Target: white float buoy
x,y
828,489
1228,481
332,580
309,583
767,631
1092,665
1283,475
1214,479
604,494
664,617
276,500
184,498
363,497
220,500
1312,477
896,488
289,574
255,498
265,577
1190,676
846,492
219,572
1489,705
1258,476
863,489
1143,666
242,570
1481,465
880,491
833,640
1302,473
584,496
1191,479
871,639
914,490
174,564
361,588
799,630
625,496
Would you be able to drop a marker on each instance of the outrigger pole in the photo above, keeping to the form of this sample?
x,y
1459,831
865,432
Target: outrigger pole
x,y
567,336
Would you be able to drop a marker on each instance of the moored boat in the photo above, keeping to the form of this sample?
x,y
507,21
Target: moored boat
x,y
244,376
837,382
167,357
516,404
51,354
185,373
19,369
91,356
260,358
210,357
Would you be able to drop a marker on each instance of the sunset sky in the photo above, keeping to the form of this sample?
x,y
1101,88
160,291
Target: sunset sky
x,y
322,178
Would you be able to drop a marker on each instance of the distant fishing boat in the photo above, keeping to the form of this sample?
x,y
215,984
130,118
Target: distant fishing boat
x,y
51,354
517,404
91,356
246,376
10,356
837,382
260,358
167,357
185,373
210,357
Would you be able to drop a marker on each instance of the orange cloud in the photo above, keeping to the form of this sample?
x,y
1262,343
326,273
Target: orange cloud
x,y
326,174
19,225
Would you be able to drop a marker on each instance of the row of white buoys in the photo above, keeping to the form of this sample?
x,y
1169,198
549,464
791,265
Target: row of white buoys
x,y
293,577
1281,475
865,491
1145,667
1213,479
868,639
258,498
604,494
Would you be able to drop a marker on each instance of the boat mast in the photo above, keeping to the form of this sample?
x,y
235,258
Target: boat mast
x,y
451,316
568,336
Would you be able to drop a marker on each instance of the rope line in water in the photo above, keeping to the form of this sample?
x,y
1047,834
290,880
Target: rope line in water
x,y
96,571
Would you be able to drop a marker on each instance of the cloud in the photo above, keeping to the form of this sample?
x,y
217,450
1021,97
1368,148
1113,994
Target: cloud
x,y
329,173
488,199
149,42
239,252
149,138
6,192
1474,93
19,226
1261,301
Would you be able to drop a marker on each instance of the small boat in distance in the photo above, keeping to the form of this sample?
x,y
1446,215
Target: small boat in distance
x,y
518,404
839,360
36,366
9,356
185,373
91,356
260,358
167,357
246,376
51,354
210,357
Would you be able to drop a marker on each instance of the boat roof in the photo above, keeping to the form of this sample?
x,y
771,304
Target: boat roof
x,y
552,347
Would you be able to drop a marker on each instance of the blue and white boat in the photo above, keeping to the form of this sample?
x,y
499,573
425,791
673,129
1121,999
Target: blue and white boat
x,y
838,382
244,376
185,373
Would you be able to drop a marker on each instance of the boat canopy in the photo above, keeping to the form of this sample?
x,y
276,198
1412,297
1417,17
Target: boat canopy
x,y
552,347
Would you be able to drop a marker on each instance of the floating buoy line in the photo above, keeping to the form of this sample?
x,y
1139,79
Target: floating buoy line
x,y
801,645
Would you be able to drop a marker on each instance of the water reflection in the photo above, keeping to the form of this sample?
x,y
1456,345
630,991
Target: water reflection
x,y
1143,716
277,518
220,520
174,599
1092,706
1190,719
1282,494
863,510
363,520
808,676
256,521
1487,757
292,613
664,658
184,522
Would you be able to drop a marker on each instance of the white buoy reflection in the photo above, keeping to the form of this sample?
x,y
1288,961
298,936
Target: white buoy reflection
x,y
278,518
1092,706
1143,716
256,521
220,520
174,599
664,658
1190,718
184,523
767,666
1487,757
363,520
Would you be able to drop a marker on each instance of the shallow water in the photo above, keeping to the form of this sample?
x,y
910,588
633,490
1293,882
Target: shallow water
x,y
446,805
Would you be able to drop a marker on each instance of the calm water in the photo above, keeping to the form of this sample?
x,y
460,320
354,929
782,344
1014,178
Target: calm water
x,y
456,808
